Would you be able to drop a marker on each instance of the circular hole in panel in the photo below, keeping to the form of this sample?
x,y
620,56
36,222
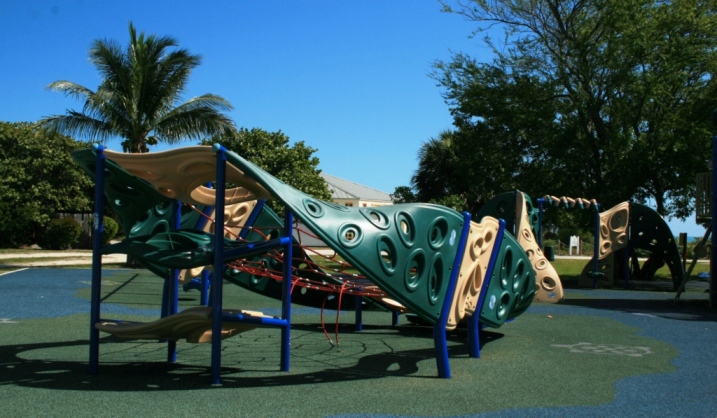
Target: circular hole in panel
x,y
476,280
255,280
337,206
438,232
435,279
406,228
617,221
314,208
387,256
506,270
604,231
349,235
163,208
548,283
304,290
502,310
160,227
237,216
118,202
518,276
377,219
415,269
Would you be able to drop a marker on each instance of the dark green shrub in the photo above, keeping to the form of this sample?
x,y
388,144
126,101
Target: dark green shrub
x,y
111,227
61,234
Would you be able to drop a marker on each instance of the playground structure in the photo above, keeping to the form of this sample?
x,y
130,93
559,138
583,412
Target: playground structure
x,y
523,221
620,231
425,259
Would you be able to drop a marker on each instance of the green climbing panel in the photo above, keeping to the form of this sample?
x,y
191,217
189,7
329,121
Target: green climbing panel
x,y
407,250
512,286
503,207
648,231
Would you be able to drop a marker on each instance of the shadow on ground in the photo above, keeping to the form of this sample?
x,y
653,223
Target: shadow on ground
x,y
119,376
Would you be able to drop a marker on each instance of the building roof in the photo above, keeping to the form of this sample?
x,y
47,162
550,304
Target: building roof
x,y
344,189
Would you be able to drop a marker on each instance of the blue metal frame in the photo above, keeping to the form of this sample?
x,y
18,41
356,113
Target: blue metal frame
x,y
97,230
474,325
218,316
439,328
252,218
596,249
170,297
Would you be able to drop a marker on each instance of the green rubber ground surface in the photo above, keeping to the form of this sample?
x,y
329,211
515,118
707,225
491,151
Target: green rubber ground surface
x,y
600,353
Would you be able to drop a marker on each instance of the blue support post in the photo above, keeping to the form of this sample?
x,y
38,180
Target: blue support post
x,y
474,320
217,277
252,218
173,285
287,277
97,230
439,328
204,291
596,249
540,222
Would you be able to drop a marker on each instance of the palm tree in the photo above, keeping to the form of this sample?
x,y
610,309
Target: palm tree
x,y
139,97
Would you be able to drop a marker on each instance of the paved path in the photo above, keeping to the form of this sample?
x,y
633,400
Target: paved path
x,y
40,258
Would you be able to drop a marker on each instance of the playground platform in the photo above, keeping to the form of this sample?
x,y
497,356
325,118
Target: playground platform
x,y
597,353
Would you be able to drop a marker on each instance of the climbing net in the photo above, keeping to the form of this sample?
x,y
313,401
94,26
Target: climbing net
x,y
313,268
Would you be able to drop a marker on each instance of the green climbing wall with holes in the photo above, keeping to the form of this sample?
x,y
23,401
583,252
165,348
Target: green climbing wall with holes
x,y
141,209
503,207
407,250
512,285
648,231
268,224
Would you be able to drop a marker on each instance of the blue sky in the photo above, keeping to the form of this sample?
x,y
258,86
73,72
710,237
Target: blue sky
x,y
349,78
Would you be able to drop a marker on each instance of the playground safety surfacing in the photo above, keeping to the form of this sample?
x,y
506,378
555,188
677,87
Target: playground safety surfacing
x,y
598,353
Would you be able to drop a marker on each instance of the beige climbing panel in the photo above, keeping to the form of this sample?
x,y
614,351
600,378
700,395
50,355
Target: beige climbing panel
x,y
613,237
548,287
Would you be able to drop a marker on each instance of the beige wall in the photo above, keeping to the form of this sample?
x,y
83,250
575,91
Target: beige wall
x,y
358,203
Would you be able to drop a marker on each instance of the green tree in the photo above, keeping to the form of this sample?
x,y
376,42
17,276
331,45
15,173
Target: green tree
x,y
139,98
403,194
605,99
37,179
295,165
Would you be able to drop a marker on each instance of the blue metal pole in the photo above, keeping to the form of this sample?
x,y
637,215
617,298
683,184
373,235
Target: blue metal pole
x,y
474,320
97,230
596,249
287,277
173,285
540,222
439,328
217,277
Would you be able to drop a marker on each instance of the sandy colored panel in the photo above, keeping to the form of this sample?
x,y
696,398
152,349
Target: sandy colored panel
x,y
479,247
548,287
183,173
193,324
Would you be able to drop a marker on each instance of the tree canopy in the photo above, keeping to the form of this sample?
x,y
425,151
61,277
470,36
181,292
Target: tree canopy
x,y
604,99
37,179
140,95
295,165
